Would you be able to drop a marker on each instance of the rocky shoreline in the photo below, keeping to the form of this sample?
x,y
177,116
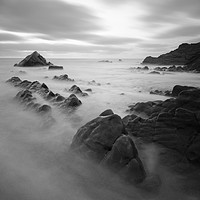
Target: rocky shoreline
x,y
186,55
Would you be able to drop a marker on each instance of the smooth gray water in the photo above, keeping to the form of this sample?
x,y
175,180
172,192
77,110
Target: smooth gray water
x,y
34,159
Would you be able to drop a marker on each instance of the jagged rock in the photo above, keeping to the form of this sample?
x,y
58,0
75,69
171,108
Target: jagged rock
x,y
63,77
54,67
71,101
34,59
76,90
186,54
43,90
104,140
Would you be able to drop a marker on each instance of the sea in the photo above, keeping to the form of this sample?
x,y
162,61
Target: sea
x,y
35,162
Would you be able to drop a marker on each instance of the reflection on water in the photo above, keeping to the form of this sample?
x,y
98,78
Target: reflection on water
x,y
35,162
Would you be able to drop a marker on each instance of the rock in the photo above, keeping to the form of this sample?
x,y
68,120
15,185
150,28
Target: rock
x,y
54,67
64,77
173,123
44,86
34,59
44,109
107,112
154,72
14,80
71,101
193,151
179,88
106,61
76,90
160,92
104,141
160,68
88,90
44,92
186,54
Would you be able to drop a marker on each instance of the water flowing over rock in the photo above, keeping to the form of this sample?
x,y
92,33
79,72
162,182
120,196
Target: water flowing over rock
x,y
105,140
186,54
34,59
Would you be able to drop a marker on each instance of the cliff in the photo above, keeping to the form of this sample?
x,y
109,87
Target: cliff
x,y
185,54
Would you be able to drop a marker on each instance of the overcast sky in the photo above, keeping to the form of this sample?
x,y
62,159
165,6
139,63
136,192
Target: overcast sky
x,y
97,28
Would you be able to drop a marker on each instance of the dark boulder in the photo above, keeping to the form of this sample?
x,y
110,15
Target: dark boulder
x,y
71,101
54,67
104,141
34,59
107,112
44,109
179,88
76,90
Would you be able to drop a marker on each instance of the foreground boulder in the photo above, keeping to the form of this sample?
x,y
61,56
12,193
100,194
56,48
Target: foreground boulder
x,y
105,140
34,59
186,54
173,123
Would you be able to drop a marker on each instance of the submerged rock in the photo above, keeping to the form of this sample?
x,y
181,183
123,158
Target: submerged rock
x,y
105,140
34,59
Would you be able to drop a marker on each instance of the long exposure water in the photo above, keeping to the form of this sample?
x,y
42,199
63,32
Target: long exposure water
x,y
34,160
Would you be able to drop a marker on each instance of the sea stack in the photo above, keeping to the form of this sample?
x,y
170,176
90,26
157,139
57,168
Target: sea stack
x,y
32,60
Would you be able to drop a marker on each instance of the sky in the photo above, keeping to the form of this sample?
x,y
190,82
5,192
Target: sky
x,y
97,28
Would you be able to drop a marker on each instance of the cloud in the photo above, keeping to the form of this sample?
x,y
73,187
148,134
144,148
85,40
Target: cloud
x,y
181,31
4,37
54,18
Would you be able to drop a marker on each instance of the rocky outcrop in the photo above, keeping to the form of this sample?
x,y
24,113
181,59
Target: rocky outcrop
x,y
32,60
42,89
173,123
63,77
76,90
185,54
105,140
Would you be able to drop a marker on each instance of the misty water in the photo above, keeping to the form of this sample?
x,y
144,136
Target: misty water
x,y
35,163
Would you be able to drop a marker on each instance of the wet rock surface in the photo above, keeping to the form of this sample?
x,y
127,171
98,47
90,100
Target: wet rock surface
x,y
173,123
34,59
105,140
